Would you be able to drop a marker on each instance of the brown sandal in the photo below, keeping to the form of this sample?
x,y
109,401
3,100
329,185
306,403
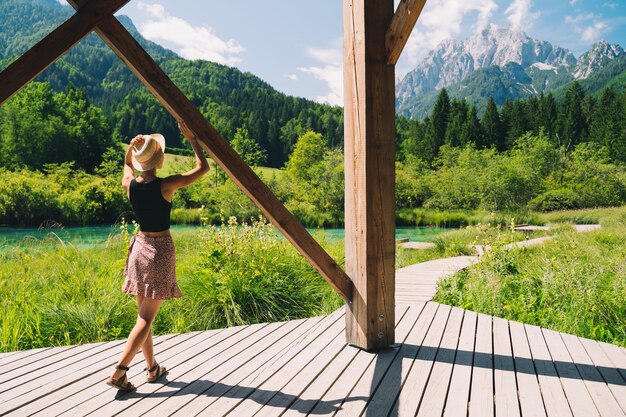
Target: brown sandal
x,y
122,383
160,371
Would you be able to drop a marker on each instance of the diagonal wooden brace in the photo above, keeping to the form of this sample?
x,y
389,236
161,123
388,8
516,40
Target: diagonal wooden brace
x,y
159,84
55,44
400,28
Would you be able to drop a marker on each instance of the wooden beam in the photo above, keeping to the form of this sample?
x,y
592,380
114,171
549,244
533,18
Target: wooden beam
x,y
55,44
159,84
369,142
401,26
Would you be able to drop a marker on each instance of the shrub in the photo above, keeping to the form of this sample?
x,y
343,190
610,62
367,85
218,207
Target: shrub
x,y
559,199
248,274
27,198
97,200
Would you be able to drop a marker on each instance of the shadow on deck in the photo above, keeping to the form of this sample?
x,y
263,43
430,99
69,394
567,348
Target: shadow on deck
x,y
450,362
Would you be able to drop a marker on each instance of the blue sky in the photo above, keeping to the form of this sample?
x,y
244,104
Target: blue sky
x,y
295,45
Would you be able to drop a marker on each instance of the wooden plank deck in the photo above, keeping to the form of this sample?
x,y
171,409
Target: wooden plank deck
x,y
448,362
418,283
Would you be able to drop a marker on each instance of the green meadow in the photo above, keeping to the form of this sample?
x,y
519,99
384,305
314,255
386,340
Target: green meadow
x,y
55,293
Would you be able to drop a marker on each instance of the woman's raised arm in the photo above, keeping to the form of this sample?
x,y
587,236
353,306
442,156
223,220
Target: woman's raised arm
x,y
129,171
174,182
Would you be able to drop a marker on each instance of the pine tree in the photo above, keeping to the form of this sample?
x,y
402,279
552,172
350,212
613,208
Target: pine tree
x,y
548,114
518,123
505,118
419,143
439,119
571,119
533,113
491,128
607,125
472,131
588,106
456,120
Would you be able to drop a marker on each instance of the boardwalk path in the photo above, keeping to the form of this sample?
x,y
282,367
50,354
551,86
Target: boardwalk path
x,y
449,362
419,282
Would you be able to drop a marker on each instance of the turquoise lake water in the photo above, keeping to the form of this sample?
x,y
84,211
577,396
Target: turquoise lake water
x,y
91,235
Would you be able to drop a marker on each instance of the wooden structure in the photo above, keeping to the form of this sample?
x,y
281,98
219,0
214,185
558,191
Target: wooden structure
x,y
450,363
374,38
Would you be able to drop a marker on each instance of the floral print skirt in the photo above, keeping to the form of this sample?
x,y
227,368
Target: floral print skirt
x,y
151,268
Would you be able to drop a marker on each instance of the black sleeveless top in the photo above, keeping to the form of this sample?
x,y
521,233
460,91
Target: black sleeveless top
x,y
151,209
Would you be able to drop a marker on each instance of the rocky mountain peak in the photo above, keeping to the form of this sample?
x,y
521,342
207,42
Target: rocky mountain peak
x,y
498,45
598,56
498,62
452,60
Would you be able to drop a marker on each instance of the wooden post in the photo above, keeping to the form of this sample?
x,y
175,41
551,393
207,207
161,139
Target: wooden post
x,y
369,137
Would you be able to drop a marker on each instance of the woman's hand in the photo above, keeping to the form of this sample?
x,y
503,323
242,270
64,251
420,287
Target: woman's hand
x,y
184,129
174,182
137,141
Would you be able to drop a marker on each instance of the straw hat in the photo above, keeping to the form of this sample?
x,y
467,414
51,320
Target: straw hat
x,y
150,154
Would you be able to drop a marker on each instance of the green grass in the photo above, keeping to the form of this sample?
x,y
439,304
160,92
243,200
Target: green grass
x,y
53,293
462,218
587,216
460,243
406,257
575,283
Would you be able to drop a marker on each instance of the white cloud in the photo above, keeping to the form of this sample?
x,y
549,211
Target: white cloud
x,y
442,19
588,25
519,14
330,72
293,77
594,32
330,55
574,2
333,77
611,5
193,42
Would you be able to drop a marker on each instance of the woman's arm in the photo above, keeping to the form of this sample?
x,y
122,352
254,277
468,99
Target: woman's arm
x,y
174,182
129,171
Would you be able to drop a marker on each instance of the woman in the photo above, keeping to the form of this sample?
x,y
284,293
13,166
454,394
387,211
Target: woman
x,y
150,265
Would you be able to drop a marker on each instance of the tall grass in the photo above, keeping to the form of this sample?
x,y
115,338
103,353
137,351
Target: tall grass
x,y
247,274
462,218
53,293
575,283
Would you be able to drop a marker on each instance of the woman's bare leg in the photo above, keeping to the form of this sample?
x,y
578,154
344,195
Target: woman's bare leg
x,y
146,313
147,348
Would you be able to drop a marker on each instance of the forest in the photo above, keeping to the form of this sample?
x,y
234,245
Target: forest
x,y
60,161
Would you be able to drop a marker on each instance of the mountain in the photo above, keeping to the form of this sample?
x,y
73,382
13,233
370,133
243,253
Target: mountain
x,y
496,62
229,98
612,75
452,60
600,54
